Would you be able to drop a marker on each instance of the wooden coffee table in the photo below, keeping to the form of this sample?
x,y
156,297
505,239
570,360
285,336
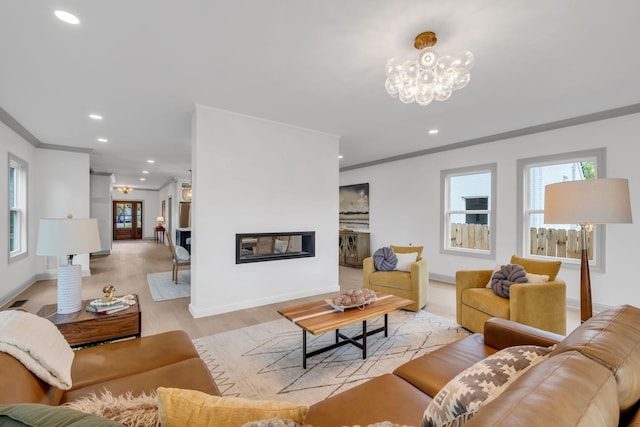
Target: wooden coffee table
x,y
319,317
85,328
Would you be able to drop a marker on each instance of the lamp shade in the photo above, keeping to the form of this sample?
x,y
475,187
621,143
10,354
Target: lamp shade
x,y
159,219
63,237
589,201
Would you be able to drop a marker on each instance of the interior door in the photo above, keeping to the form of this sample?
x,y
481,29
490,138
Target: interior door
x,y
127,220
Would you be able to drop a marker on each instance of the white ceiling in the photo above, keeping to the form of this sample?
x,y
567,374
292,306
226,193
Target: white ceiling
x,y
144,64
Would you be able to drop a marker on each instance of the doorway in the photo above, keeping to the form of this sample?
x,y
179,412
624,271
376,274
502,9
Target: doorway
x,y
127,220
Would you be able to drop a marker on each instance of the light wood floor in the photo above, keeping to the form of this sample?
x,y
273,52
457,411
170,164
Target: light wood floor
x,y
130,261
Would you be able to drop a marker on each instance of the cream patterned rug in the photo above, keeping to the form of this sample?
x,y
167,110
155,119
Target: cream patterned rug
x,y
162,287
265,361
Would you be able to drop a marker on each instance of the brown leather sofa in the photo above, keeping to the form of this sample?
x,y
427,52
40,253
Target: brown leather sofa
x,y
591,378
139,365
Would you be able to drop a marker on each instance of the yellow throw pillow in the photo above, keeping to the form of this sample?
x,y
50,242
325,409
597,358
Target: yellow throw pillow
x,y
180,408
550,268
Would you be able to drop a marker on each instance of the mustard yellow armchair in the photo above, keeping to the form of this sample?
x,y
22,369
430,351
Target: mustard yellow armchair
x,y
413,285
542,305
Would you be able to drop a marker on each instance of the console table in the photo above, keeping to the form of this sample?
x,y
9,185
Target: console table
x,y
354,248
84,328
159,232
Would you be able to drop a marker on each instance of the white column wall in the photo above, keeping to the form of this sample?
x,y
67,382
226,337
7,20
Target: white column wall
x,y
101,207
63,187
405,202
250,176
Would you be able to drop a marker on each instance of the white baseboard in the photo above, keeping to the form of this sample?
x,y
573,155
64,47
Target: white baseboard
x,y
24,286
442,278
597,308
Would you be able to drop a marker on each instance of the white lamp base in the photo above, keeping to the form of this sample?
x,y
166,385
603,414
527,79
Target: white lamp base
x,y
69,288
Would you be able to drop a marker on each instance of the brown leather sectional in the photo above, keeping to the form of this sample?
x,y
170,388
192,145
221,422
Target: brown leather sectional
x,y
591,378
140,365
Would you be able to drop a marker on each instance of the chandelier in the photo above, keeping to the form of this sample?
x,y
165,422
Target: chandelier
x,y
431,76
125,189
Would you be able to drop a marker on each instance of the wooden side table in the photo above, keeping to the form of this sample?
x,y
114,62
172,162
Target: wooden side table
x,y
159,232
84,328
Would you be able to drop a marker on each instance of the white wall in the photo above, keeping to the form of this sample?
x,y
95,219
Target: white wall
x,y
405,202
151,208
18,275
252,176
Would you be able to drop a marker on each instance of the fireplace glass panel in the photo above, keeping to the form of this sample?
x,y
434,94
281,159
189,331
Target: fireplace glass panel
x,y
255,247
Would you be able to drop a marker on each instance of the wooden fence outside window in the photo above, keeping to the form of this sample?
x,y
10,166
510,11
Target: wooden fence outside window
x,y
558,243
470,236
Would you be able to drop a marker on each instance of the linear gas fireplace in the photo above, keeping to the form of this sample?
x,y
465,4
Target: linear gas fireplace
x,y
257,247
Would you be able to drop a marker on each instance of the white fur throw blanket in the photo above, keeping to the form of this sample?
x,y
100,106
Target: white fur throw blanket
x,y
38,344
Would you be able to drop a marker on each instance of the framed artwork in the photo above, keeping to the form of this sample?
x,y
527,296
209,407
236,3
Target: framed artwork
x,y
354,206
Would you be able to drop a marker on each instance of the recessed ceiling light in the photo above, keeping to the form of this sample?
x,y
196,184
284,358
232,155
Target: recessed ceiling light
x,y
95,116
433,131
67,17
103,140
143,179
145,171
340,156
151,161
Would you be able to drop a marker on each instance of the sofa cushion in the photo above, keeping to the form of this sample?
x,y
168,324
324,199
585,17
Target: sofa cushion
x,y
180,407
612,338
383,398
102,363
432,371
408,249
550,268
191,373
564,390
487,301
464,395
34,414
391,279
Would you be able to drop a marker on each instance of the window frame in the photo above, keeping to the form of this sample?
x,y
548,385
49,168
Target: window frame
x,y
599,234
19,206
446,212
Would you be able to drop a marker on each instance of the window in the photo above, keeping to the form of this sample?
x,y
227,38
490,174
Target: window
x,y
17,208
557,241
468,200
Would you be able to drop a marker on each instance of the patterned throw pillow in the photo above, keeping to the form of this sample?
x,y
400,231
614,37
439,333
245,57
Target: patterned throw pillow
x,y
463,396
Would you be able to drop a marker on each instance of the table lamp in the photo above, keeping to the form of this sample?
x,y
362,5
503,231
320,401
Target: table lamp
x,y
160,221
68,237
587,202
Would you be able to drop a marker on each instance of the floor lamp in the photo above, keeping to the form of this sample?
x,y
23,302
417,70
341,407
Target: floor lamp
x,y
68,237
587,202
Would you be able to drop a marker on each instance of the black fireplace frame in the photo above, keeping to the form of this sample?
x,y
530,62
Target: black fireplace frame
x,y
308,247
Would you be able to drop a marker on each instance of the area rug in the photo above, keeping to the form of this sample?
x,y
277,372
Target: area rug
x,y
162,287
265,361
